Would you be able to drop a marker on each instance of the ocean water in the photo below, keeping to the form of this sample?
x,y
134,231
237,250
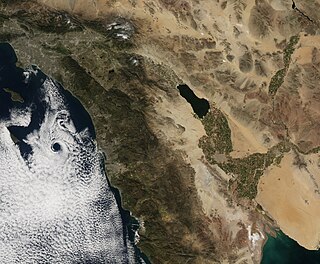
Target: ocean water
x,y
56,203
284,250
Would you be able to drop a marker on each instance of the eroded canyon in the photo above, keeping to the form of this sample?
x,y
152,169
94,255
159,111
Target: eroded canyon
x,y
194,183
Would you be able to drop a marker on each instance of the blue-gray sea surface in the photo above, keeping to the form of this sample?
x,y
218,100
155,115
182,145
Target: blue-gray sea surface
x,y
284,250
56,205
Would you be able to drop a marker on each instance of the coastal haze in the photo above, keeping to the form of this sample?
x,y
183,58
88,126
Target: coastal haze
x,y
206,187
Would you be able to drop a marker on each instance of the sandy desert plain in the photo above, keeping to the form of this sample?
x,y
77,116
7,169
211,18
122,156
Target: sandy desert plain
x,y
206,190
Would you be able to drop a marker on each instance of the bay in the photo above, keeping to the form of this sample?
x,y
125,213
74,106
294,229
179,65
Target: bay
x,y
284,250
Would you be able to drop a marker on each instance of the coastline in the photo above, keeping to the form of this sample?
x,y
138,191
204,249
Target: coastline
x,y
267,234
130,223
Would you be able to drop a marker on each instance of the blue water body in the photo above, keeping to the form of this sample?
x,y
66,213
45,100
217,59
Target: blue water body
x,y
131,225
284,250
14,78
199,105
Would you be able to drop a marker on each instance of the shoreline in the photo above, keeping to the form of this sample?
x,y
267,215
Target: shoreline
x,y
128,219
266,234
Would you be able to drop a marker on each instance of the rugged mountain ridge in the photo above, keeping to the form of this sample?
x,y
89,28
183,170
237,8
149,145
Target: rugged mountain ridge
x,y
255,62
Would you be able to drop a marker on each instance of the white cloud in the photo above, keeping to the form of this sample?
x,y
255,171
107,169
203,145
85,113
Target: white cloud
x,y
57,207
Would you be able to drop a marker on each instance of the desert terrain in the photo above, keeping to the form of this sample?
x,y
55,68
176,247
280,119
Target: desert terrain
x,y
290,193
194,183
